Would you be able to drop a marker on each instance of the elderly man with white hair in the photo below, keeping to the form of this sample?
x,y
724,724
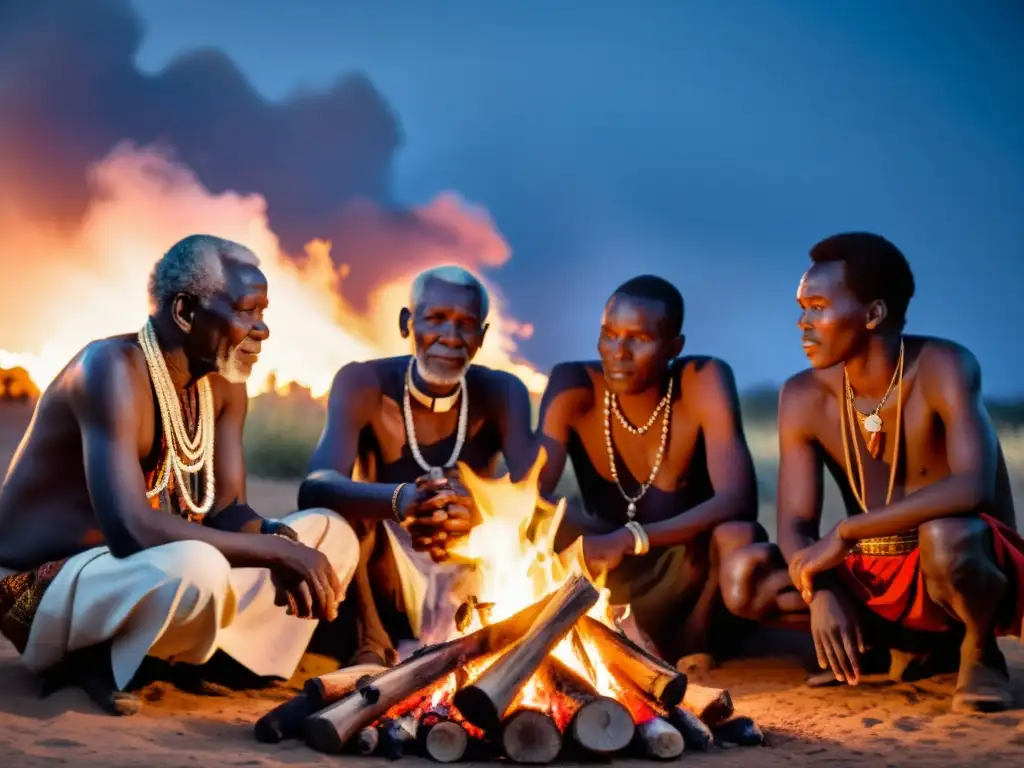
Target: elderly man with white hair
x,y
125,528
387,457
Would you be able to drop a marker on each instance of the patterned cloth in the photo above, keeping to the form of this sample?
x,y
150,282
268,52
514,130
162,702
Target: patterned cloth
x,y
20,596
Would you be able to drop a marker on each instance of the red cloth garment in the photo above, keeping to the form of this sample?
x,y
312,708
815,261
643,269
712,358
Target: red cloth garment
x,y
892,586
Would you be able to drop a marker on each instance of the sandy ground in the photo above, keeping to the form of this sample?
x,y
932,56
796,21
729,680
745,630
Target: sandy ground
x,y
878,723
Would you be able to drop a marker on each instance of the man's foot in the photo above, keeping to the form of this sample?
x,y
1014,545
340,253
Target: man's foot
x,y
90,670
983,683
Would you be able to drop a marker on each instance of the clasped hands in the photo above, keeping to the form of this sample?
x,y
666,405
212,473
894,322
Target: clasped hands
x,y
437,510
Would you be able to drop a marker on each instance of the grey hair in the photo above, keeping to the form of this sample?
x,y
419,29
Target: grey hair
x,y
453,275
194,266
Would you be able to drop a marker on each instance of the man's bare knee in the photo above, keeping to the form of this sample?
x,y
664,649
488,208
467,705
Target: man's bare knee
x,y
739,574
955,552
735,535
330,533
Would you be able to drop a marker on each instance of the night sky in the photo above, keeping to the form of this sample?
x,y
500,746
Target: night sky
x,y
712,143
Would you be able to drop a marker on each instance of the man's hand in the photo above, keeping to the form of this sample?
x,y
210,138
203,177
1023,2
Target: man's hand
x,y
437,510
305,579
603,553
837,636
822,556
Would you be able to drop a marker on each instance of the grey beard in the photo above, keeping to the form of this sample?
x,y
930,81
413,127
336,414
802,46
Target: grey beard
x,y
438,380
229,368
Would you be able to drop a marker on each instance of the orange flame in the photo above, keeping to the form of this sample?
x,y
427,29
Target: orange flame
x,y
516,569
70,288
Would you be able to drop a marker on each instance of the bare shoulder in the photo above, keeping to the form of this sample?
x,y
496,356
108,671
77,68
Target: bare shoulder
x,y
941,361
502,384
104,372
705,373
802,398
575,382
361,378
228,397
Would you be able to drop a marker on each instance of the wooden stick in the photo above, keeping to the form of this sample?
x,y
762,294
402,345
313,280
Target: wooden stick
x,y
712,705
695,731
530,736
658,739
740,730
441,739
366,741
599,724
284,721
398,736
329,729
329,688
485,702
625,658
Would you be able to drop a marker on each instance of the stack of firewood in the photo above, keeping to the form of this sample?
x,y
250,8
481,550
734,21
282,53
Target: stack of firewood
x,y
375,710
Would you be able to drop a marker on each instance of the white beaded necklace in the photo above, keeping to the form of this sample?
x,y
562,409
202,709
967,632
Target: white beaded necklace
x,y
611,404
410,428
197,451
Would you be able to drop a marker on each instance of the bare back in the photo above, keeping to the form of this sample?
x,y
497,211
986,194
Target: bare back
x,y
46,511
811,406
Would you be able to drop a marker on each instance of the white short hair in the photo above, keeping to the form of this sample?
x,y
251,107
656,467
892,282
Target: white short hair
x,y
194,266
453,275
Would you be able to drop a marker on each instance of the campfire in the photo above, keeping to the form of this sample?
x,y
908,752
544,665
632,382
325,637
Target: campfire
x,y
536,668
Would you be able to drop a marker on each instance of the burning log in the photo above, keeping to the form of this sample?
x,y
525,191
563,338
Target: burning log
x,y
329,729
655,736
286,720
530,736
628,660
485,702
598,724
441,738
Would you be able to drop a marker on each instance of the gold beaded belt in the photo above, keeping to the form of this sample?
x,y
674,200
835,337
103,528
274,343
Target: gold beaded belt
x,y
887,546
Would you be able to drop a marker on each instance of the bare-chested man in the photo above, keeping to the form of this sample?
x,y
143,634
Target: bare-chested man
x,y
124,527
389,422
657,445
928,550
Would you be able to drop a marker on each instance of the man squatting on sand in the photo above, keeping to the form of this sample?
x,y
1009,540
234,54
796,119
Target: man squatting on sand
x,y
389,422
126,532
664,471
928,551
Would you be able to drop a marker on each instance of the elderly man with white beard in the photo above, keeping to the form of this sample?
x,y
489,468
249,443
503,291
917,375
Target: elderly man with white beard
x,y
125,528
390,422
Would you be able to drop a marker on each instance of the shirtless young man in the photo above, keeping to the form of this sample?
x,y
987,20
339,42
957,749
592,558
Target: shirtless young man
x,y
390,421
928,549
108,556
657,445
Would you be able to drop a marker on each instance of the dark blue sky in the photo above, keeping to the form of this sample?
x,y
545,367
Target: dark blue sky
x,y
710,142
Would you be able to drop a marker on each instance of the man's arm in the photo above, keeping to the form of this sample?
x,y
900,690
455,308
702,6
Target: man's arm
x,y
730,465
230,511
560,404
517,444
800,473
355,393
106,403
951,383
